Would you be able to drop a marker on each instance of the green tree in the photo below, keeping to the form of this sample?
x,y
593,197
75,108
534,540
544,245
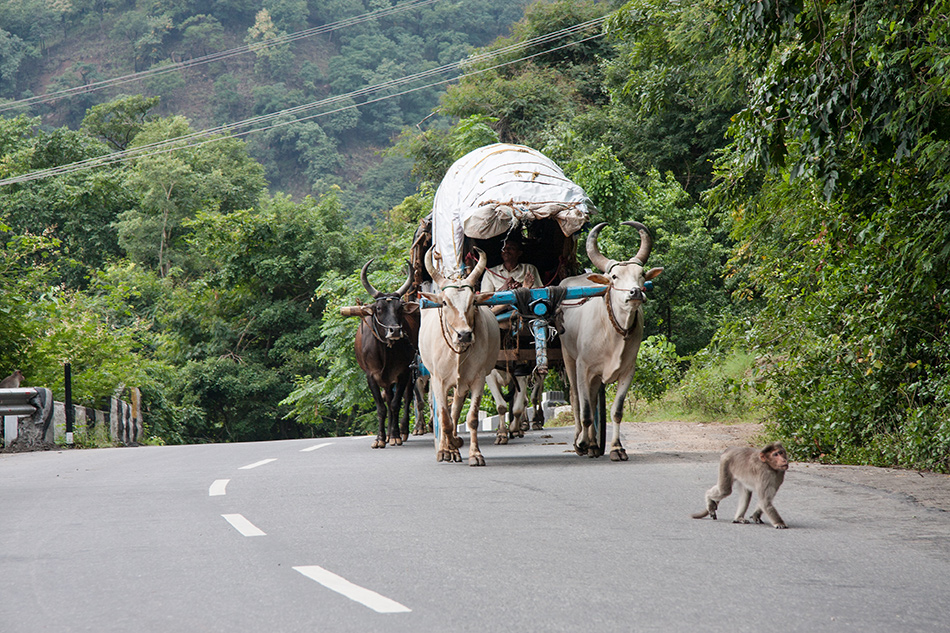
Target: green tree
x,y
836,184
76,209
675,83
13,53
174,186
202,35
117,122
273,60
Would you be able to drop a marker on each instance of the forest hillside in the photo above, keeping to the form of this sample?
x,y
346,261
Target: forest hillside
x,y
226,61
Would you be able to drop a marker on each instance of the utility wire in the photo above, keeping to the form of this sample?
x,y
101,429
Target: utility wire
x,y
195,139
218,56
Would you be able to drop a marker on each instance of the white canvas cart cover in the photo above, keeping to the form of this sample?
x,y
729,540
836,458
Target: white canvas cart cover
x,y
492,190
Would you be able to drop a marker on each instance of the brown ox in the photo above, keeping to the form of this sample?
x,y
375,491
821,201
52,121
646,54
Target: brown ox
x,y
386,343
459,343
601,338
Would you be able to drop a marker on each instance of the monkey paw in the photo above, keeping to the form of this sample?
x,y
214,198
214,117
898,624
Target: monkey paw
x,y
781,526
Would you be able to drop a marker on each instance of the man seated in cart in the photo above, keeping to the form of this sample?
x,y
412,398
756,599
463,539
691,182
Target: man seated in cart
x,y
511,273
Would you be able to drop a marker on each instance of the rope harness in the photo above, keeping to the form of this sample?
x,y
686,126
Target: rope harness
x,y
376,322
462,347
623,332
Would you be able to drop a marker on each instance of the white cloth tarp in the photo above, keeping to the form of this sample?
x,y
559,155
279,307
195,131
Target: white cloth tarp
x,y
491,190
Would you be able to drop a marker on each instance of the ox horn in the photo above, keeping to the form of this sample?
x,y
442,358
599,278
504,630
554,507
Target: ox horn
x,y
365,279
646,242
406,286
593,251
479,267
435,274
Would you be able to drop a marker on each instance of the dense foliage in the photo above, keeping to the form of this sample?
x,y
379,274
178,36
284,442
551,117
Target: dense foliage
x,y
837,185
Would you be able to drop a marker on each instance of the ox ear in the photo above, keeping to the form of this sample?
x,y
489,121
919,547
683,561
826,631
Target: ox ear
x,y
653,272
596,278
410,307
482,297
433,297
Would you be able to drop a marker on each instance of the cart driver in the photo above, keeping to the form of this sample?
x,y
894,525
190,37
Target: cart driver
x,y
510,273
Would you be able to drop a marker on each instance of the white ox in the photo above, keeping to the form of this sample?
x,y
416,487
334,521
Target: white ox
x,y
459,343
601,338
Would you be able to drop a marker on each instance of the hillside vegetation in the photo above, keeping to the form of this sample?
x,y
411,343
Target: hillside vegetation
x,y
792,161
328,49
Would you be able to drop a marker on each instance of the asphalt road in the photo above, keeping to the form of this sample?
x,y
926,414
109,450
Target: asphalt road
x,y
334,536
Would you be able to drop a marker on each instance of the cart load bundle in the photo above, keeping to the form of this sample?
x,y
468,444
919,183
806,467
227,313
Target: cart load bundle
x,y
496,189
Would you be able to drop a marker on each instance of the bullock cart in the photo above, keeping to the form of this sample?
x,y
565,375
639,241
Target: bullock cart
x,y
505,192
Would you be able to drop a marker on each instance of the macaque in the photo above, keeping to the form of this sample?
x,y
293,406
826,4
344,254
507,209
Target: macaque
x,y
12,381
760,470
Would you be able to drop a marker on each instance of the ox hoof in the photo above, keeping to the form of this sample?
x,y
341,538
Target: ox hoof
x,y
501,439
476,460
580,450
593,451
537,426
514,434
449,456
379,443
618,455
395,441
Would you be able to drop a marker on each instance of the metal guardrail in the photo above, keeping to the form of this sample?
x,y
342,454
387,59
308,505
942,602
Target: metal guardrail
x,y
20,401
33,406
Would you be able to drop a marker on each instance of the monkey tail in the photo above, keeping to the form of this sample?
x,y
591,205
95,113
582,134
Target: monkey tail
x,y
700,515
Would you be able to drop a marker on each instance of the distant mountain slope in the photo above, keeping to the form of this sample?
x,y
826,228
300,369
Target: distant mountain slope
x,y
47,47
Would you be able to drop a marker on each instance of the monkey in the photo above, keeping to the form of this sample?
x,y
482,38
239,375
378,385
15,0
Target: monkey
x,y
12,381
761,470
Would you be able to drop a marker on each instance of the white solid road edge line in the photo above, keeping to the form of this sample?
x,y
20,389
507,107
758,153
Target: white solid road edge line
x,y
242,525
256,464
366,597
314,447
217,488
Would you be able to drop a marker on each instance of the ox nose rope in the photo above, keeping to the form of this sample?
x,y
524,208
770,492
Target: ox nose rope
x,y
624,332
388,342
462,346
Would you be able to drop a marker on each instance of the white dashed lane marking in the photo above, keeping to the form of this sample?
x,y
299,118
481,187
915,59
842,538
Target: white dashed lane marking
x,y
256,464
242,525
314,447
217,489
366,597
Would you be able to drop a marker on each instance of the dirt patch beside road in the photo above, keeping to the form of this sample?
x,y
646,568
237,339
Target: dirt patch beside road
x,y
931,490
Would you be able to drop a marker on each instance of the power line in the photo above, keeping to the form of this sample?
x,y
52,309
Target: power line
x,y
218,56
196,139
